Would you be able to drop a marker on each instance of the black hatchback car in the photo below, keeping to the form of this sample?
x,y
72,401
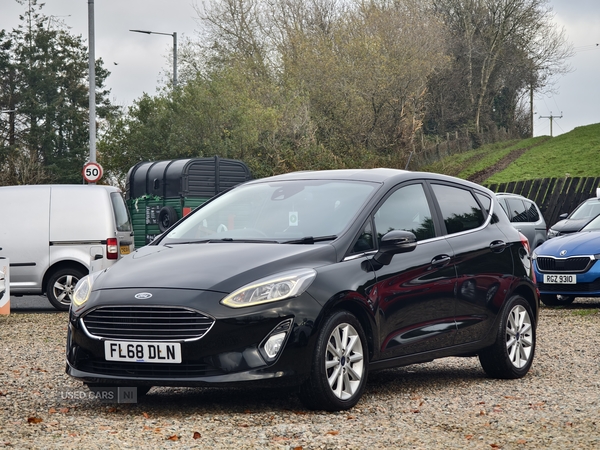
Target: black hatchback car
x,y
312,280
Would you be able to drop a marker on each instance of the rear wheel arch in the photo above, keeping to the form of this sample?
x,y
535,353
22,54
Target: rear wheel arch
x,y
59,266
529,295
60,282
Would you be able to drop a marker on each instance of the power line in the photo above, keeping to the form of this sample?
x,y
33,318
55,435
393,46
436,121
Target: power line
x,y
551,117
586,48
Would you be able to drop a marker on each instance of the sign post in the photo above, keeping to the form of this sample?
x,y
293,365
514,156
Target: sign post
x,y
92,172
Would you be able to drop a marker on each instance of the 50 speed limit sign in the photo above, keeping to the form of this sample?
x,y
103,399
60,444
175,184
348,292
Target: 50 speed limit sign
x,y
92,172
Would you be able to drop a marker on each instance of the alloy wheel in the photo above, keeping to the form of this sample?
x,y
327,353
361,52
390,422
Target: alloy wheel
x,y
519,336
344,361
63,288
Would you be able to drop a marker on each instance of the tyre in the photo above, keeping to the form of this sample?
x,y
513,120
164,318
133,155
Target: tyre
x,y
167,216
556,300
60,287
512,354
339,365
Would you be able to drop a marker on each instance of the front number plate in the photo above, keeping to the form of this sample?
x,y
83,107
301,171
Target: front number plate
x,y
144,352
560,279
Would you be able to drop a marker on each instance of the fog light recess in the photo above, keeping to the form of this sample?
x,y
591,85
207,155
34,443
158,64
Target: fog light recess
x,y
274,342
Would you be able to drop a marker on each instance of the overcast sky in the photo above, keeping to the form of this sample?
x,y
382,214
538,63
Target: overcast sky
x,y
138,62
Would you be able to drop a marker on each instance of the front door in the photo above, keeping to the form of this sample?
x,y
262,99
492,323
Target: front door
x,y
414,294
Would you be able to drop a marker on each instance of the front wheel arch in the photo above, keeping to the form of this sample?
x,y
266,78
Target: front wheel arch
x,y
339,365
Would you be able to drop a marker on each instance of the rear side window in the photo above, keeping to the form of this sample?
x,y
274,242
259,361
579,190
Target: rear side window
x,y
120,210
519,212
532,211
460,210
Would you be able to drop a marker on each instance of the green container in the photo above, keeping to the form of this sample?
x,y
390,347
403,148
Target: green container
x,y
160,193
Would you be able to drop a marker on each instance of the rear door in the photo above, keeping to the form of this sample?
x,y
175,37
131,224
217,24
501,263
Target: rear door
x,y
483,258
123,227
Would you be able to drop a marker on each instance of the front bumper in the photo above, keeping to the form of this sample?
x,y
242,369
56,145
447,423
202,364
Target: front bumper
x,y
229,353
588,283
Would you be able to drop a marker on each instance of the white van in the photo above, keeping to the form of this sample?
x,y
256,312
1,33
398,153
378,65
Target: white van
x,y
53,235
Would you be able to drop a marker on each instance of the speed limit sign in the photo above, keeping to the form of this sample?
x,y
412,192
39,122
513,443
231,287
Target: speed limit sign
x,y
92,172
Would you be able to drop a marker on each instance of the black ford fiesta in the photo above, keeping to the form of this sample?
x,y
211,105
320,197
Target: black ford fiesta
x,y
312,280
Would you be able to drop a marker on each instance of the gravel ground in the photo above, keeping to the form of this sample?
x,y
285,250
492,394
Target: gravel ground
x,y
447,403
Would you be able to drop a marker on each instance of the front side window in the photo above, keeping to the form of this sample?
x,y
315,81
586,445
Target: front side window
x,y
406,209
460,210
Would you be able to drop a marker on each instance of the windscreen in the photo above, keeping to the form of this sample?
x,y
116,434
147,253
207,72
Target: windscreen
x,y
277,211
590,208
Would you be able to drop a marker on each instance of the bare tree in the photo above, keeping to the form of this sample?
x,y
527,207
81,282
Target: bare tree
x,y
486,31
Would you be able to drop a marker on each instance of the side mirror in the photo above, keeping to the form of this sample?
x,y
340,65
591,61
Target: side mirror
x,y
563,216
394,242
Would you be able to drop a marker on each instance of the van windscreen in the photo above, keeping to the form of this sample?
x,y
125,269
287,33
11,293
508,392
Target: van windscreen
x,y
121,214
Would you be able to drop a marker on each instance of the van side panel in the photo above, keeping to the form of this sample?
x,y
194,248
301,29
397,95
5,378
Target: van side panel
x,y
80,215
24,235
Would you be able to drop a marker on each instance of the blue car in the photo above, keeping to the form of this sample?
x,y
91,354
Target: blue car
x,y
566,267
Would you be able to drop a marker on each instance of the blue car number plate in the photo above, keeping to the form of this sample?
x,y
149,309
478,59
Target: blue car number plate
x,y
144,352
560,279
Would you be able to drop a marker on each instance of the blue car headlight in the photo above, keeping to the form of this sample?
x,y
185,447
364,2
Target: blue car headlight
x,y
552,233
271,289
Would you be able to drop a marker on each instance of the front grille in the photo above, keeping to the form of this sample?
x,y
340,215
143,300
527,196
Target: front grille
x,y
150,323
593,287
575,264
149,370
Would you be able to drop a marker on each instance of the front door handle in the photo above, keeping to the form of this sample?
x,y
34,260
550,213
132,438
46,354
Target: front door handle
x,y
440,261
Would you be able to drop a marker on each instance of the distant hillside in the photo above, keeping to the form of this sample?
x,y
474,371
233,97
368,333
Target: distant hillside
x,y
573,154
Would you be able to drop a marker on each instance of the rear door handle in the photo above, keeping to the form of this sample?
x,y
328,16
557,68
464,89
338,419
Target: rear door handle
x,y
497,246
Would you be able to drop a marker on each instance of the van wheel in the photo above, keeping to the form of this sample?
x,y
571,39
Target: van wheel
x,y
167,216
60,287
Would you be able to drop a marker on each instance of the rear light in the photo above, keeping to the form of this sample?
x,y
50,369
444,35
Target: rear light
x,y
525,243
112,248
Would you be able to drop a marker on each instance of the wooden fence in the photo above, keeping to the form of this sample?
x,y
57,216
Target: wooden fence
x,y
554,196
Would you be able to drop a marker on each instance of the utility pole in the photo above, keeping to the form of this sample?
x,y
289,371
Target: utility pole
x,y
92,77
551,117
174,35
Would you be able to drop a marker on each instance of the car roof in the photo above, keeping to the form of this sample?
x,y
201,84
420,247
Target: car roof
x,y
377,175
510,194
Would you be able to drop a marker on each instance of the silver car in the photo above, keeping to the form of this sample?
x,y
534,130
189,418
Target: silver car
x,y
525,216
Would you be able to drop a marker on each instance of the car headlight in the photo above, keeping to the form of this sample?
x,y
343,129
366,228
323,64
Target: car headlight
x,y
552,233
271,289
83,288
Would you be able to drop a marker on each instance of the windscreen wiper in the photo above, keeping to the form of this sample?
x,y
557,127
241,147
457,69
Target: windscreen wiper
x,y
215,241
245,241
311,239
